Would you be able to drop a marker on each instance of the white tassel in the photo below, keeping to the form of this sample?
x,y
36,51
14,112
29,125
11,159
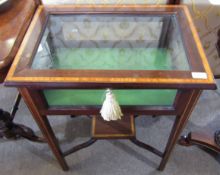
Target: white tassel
x,y
110,108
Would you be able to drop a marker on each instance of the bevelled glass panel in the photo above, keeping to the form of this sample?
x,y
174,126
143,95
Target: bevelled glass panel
x,y
111,42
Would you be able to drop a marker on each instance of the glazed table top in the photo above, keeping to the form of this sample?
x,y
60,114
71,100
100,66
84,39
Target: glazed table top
x,y
150,46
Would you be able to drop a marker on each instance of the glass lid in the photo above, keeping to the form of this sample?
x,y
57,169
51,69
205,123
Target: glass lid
x,y
111,42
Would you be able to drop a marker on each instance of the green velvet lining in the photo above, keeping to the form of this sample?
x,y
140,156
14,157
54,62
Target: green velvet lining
x,y
112,59
96,97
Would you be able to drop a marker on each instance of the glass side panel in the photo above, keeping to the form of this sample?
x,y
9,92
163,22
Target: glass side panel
x,y
111,42
124,97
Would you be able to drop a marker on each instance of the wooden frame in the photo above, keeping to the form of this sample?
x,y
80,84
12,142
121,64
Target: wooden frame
x,y
23,75
32,82
183,109
205,138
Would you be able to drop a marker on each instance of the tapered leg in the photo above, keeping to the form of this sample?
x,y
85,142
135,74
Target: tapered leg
x,y
178,126
45,128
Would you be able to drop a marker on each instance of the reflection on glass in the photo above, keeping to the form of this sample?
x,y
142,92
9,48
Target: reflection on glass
x,y
111,42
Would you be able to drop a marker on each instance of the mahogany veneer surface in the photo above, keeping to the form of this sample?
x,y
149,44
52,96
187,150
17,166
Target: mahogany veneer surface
x,y
13,25
123,128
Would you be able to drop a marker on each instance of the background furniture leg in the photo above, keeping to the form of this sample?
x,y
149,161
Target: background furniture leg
x,y
11,130
202,138
15,105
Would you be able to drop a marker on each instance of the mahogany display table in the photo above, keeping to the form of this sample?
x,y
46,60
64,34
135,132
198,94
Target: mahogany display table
x,y
150,56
